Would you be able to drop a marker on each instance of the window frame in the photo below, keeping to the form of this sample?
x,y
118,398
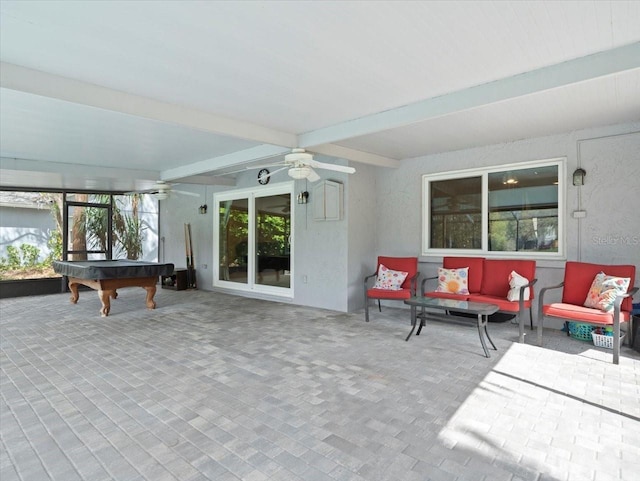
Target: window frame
x,y
484,172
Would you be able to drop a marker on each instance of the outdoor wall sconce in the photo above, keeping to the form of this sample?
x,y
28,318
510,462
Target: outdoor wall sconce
x,y
203,209
578,176
303,197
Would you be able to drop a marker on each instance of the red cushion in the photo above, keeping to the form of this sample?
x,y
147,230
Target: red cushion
x,y
388,294
578,277
404,264
475,265
495,281
447,295
502,302
581,313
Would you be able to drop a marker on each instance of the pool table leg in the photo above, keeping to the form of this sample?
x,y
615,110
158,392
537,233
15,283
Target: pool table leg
x,y
73,287
151,291
104,296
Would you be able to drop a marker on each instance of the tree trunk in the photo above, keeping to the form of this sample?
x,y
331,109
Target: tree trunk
x,y
78,231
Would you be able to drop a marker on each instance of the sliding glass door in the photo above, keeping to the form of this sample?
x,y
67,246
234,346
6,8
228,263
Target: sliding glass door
x,y
272,259
233,240
253,230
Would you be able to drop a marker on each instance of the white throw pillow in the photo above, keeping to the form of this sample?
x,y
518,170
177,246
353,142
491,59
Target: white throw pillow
x,y
389,279
516,281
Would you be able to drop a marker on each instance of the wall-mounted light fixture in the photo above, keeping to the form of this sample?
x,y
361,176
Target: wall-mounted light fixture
x,y
303,197
578,176
203,209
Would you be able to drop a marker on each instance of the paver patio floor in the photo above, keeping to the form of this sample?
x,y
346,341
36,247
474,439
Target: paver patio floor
x,y
210,386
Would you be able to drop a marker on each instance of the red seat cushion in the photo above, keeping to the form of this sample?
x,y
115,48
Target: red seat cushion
x,y
388,294
502,302
578,277
495,281
476,269
447,295
581,313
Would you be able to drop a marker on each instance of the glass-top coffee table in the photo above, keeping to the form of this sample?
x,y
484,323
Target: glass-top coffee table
x,y
479,309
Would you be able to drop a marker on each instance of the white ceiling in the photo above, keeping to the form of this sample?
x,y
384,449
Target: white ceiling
x,y
114,95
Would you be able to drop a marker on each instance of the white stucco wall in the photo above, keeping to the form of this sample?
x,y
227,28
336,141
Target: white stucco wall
x,y
321,247
610,196
177,211
360,208
383,214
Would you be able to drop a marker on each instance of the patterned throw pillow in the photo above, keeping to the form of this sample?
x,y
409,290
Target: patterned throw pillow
x,y
604,290
389,280
594,291
454,281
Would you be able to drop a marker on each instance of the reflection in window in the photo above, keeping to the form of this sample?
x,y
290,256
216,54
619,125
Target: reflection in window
x,y
273,229
234,240
456,213
523,210
495,210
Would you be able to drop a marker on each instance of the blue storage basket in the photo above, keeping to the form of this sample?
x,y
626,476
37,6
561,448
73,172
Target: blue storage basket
x,y
581,331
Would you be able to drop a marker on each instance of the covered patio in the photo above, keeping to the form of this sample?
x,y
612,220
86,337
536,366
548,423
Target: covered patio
x,y
211,386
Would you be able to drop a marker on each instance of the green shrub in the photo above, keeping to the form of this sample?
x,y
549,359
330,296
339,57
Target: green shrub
x,y
30,255
24,257
55,247
13,258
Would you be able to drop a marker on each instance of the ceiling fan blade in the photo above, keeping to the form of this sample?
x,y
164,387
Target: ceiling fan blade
x,y
313,176
275,172
252,167
337,168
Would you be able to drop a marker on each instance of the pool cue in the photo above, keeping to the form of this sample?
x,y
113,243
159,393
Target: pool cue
x,y
188,255
193,274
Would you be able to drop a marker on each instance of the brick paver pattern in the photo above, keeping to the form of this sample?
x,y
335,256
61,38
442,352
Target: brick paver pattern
x,y
211,386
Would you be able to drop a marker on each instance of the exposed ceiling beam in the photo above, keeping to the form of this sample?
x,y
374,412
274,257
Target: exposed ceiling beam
x,y
582,69
234,159
334,150
22,79
207,180
15,77
266,151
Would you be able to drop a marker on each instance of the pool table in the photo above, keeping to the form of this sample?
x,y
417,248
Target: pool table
x,y
106,276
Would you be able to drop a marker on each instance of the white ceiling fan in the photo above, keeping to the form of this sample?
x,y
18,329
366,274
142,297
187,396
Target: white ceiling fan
x,y
162,190
300,165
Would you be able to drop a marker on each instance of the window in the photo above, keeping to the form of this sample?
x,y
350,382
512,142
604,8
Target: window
x,y
496,210
30,234
37,228
106,226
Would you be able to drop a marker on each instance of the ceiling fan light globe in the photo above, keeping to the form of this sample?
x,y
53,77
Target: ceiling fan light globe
x,y
161,195
299,172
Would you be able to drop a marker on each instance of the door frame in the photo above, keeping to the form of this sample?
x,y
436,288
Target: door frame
x,y
66,224
251,194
